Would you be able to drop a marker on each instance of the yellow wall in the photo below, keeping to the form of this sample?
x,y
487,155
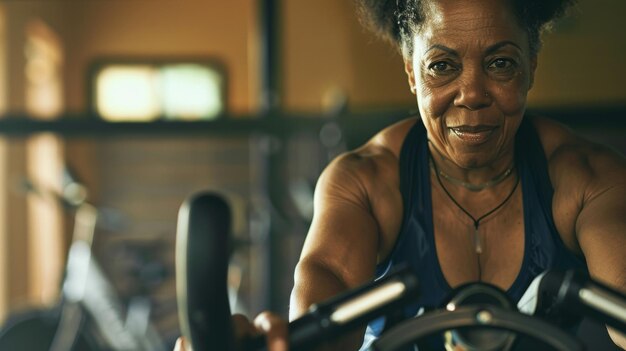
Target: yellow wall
x,y
18,14
326,50
323,48
140,28
182,28
583,60
14,231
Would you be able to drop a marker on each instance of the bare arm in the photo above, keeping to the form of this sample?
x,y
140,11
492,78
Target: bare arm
x,y
601,227
590,207
340,250
342,245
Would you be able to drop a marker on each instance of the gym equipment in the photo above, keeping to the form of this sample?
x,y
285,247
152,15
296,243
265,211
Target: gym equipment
x,y
89,316
197,256
563,297
202,250
478,316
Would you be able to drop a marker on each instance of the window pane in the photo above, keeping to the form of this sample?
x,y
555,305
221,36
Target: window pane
x,y
191,92
128,93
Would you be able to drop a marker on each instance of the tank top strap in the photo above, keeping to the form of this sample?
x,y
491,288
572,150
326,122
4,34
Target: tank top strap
x,y
415,244
414,177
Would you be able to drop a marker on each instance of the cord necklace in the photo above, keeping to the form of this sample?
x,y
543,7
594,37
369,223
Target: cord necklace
x,y
477,242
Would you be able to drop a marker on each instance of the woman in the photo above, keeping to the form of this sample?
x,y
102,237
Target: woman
x,y
472,190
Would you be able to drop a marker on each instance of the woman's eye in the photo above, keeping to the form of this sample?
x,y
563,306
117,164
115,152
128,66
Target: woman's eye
x,y
501,64
440,67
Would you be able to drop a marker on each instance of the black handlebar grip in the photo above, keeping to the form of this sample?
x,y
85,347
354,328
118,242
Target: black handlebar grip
x,y
588,297
345,312
202,255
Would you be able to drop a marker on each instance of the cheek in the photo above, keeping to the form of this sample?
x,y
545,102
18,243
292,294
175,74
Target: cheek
x,y
430,112
513,104
511,98
513,95
432,103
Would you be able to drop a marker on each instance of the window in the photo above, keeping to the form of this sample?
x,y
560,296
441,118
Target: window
x,y
143,91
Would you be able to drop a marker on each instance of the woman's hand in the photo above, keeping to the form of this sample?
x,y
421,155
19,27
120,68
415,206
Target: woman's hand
x,y
274,328
271,325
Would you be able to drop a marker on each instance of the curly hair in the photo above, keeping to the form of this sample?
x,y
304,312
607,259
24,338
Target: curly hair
x,y
399,20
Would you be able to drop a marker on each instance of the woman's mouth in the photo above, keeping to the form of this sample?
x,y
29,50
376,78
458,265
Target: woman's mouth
x,y
474,135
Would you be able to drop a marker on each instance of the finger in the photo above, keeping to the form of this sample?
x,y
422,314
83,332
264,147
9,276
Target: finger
x,y
275,329
181,345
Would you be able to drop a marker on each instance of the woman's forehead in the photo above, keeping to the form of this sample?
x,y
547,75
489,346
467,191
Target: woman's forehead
x,y
466,22
468,13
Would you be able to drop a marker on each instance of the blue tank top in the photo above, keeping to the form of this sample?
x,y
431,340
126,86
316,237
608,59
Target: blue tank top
x,y
415,245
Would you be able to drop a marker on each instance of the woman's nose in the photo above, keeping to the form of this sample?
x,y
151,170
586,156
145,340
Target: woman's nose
x,y
472,90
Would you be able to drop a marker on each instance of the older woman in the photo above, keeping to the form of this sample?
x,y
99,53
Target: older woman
x,y
472,189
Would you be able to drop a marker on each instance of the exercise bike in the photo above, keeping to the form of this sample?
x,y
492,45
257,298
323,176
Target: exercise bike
x,y
90,315
477,316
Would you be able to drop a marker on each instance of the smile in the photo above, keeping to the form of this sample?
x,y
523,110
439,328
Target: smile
x,y
473,134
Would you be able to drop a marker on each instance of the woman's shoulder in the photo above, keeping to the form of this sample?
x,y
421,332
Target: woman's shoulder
x,y
379,153
373,167
579,170
392,138
564,148
368,179
554,136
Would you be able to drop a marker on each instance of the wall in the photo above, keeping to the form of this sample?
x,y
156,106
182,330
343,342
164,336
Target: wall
x,y
324,50
146,28
21,262
327,52
582,61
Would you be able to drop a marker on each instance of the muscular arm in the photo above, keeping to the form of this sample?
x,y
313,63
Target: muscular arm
x,y
601,226
590,206
341,248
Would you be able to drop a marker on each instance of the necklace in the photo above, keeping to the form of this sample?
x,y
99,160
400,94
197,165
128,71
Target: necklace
x,y
477,242
475,187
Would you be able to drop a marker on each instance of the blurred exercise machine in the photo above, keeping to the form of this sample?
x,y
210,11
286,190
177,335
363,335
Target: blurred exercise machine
x,y
90,315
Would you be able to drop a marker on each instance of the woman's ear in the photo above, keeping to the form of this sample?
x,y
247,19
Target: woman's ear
x,y
410,73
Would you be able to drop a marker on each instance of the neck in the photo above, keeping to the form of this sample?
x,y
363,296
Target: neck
x,y
474,178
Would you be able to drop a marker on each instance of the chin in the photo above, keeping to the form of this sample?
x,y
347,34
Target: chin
x,y
478,156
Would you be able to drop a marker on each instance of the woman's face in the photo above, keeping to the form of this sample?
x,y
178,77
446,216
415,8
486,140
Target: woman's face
x,y
471,70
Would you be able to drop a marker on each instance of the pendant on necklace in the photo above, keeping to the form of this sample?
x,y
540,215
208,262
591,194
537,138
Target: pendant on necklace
x,y
477,242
